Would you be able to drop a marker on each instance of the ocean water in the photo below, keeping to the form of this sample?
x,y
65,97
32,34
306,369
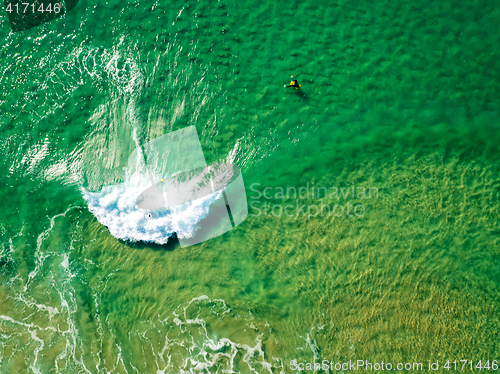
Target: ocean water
x,y
373,191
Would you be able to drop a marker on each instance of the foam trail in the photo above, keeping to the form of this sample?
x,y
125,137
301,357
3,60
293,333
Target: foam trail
x,y
114,206
191,346
58,320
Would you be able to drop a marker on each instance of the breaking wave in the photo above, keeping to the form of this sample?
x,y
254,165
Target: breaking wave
x,y
115,207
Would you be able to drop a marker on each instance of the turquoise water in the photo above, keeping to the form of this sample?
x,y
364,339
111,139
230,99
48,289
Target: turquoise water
x,y
399,97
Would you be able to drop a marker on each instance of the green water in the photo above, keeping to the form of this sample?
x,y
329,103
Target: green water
x,y
397,96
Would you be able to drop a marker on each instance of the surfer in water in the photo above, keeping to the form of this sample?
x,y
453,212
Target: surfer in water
x,y
293,84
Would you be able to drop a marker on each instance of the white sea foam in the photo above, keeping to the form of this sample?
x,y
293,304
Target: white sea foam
x,y
192,346
115,207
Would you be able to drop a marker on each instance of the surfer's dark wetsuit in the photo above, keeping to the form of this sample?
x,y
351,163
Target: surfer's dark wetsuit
x,y
294,84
